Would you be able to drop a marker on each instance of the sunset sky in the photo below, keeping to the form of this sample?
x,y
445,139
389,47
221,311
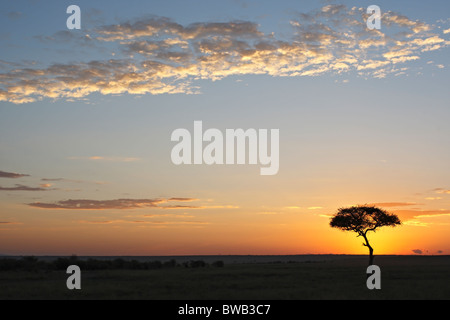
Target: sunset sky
x,y
86,118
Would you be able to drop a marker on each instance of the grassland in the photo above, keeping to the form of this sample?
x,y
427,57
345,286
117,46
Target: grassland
x,y
402,277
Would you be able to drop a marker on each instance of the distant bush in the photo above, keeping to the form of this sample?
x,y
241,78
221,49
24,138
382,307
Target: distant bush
x,y
170,264
195,264
28,263
154,264
62,263
218,264
118,263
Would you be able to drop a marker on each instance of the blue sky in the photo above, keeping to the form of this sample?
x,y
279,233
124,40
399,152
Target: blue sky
x,y
363,118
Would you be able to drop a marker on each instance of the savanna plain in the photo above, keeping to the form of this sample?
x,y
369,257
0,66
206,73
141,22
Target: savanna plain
x,y
299,277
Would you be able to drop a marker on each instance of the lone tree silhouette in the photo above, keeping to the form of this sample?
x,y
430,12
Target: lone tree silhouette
x,y
362,219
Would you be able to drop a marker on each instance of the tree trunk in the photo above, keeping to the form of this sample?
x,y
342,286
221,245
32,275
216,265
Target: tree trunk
x,y
370,255
367,244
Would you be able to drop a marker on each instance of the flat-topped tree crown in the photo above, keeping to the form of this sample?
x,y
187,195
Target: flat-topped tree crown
x,y
362,219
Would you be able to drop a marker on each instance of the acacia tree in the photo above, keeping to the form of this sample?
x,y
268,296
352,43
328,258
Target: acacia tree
x,y
362,219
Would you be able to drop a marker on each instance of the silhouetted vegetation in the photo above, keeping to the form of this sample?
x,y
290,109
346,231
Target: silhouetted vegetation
x,y
218,264
362,219
403,277
31,263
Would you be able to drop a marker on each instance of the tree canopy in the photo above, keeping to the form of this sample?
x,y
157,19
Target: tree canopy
x,y
362,219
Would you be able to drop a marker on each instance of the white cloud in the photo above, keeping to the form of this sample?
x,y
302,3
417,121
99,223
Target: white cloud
x,y
157,55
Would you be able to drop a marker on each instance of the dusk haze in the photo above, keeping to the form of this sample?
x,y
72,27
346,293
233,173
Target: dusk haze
x,y
180,128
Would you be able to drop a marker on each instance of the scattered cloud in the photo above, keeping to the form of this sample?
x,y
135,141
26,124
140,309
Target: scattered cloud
x,y
180,207
434,214
393,204
14,15
124,204
85,204
72,181
156,55
433,198
65,36
416,223
19,187
414,213
442,191
219,207
425,251
183,199
268,213
172,215
422,218
292,208
144,222
12,175
95,204
102,158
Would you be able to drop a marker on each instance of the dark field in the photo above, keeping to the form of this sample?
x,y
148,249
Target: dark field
x,y
243,277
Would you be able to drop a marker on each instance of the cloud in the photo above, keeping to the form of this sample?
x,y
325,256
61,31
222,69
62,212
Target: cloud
x,y
390,19
268,213
118,204
219,207
442,191
124,204
85,204
416,223
102,158
72,181
9,222
414,213
433,198
4,174
417,251
152,26
156,55
434,214
301,208
393,204
19,187
172,215
66,36
181,207
14,15
144,222
182,199
422,218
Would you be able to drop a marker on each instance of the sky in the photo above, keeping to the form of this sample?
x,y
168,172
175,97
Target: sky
x,y
86,117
